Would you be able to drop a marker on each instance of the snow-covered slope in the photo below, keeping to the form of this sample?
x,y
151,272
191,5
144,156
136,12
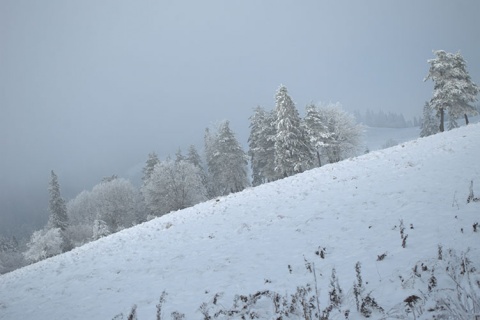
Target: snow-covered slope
x,y
259,239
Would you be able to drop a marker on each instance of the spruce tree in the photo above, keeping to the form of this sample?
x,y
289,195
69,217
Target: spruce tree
x,y
149,166
292,152
179,155
58,214
227,162
58,209
429,123
262,146
316,129
194,158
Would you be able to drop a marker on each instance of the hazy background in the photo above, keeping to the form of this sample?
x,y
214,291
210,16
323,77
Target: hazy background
x,y
88,88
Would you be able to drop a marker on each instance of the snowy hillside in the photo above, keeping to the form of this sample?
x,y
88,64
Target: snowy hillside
x,y
265,238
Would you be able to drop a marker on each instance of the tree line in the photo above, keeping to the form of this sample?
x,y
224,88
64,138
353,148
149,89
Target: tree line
x,y
281,144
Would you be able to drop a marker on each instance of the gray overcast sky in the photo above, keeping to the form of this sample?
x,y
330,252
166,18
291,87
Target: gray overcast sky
x,y
88,88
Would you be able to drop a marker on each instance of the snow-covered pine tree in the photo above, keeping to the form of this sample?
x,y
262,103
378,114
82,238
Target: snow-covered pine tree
x,y
454,90
292,152
227,166
316,129
262,146
467,90
209,150
58,209
150,164
194,158
429,123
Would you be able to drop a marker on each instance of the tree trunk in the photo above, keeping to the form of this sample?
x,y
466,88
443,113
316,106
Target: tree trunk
x,y
318,157
441,119
466,119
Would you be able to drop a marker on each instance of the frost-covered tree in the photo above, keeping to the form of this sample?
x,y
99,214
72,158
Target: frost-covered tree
x,y
115,203
465,91
227,162
179,155
429,124
316,129
209,151
194,158
454,91
44,243
262,146
343,135
58,209
149,165
173,186
11,257
58,212
82,212
292,152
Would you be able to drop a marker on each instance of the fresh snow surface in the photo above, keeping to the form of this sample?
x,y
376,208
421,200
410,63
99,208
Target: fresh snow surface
x,y
245,242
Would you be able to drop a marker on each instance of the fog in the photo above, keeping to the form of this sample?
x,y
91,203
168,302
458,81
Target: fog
x,y
89,88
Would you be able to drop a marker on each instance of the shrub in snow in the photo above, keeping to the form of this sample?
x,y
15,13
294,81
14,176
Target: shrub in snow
x,y
471,197
177,315
43,244
321,252
366,304
381,257
403,236
440,252
335,295
436,289
160,305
